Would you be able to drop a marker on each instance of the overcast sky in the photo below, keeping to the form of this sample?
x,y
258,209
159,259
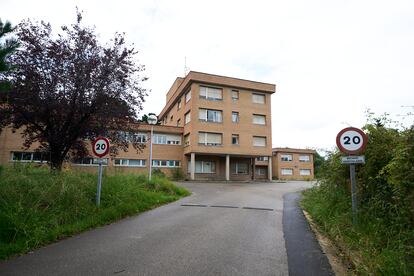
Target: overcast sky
x,y
330,60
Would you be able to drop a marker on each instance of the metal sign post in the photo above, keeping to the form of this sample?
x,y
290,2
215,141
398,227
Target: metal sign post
x,y
98,190
353,192
351,141
100,147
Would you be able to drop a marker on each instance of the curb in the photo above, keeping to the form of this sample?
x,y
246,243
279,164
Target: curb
x,y
339,266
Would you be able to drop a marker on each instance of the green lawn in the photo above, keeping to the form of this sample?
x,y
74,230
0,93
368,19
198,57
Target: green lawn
x,y
38,207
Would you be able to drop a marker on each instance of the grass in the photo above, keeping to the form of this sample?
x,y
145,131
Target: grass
x,y
38,207
375,246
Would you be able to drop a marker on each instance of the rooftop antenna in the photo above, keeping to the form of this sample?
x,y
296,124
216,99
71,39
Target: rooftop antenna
x,y
186,69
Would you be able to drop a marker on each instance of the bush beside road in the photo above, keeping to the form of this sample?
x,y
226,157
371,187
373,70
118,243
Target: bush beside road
x,y
382,241
38,207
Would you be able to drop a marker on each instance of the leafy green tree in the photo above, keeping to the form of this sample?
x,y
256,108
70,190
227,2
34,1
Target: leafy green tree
x,y
7,46
318,162
144,118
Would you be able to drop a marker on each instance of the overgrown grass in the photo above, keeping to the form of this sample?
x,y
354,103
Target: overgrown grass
x,y
38,207
376,246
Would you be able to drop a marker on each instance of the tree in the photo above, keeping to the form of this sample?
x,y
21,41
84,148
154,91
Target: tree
x,y
6,48
318,164
144,118
68,89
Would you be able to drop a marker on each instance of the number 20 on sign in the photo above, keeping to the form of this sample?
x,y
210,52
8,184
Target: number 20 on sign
x,y
351,140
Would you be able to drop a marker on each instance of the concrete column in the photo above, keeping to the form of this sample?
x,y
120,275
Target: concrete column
x,y
254,168
227,167
192,166
269,168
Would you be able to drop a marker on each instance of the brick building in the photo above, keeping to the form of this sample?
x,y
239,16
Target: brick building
x,y
213,127
293,164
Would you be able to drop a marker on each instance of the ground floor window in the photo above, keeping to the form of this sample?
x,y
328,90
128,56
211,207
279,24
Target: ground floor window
x,y
203,166
24,156
239,168
262,158
261,171
130,162
305,172
88,161
287,171
166,163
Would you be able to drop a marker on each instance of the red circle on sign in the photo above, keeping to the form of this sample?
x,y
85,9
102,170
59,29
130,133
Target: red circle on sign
x,y
360,132
100,147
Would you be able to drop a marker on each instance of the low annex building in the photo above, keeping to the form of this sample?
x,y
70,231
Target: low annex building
x,y
293,164
212,128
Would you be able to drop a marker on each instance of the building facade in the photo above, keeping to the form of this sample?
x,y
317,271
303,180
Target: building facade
x,y
226,126
212,127
293,164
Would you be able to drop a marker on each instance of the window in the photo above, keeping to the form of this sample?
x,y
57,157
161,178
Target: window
x,y
235,139
239,168
287,171
234,95
89,161
260,171
179,104
235,117
259,119
210,139
167,139
29,156
171,118
123,135
130,162
140,137
166,163
210,93
203,166
187,140
179,122
210,115
286,157
305,172
187,117
188,96
259,141
258,98
304,158
262,158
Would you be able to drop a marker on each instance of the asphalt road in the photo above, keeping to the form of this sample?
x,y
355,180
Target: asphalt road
x,y
222,229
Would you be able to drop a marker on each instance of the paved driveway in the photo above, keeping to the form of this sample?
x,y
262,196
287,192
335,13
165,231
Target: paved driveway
x,y
222,229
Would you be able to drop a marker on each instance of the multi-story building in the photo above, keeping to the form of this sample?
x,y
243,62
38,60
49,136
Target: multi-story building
x,y
293,164
227,126
212,127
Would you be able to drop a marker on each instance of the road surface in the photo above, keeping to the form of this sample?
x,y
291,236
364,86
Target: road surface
x,y
222,229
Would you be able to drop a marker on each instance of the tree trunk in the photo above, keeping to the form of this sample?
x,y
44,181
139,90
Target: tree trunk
x,y
56,160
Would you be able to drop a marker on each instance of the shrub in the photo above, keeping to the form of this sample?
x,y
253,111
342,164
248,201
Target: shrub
x,y
158,172
383,239
177,174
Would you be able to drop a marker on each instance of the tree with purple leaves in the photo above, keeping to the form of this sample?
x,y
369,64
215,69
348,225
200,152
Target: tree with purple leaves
x,y
67,89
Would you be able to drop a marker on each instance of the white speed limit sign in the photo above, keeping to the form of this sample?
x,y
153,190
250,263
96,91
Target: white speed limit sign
x,y
351,140
100,146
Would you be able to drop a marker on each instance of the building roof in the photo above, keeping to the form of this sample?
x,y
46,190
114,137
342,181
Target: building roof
x,y
292,150
180,86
